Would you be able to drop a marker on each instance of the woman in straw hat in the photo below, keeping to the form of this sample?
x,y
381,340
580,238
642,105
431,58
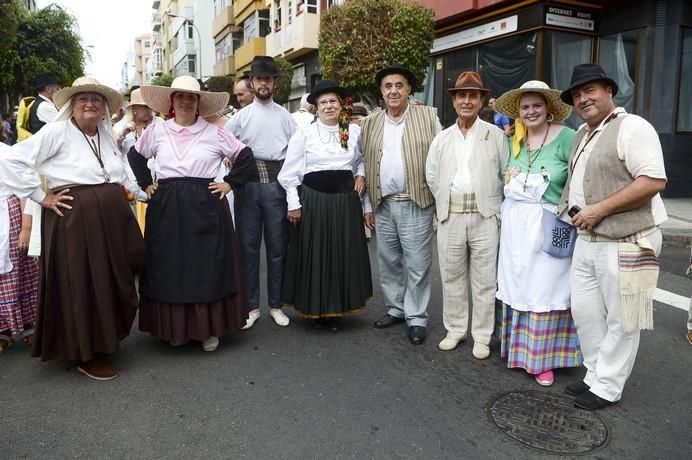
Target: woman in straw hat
x,y
92,247
327,271
192,287
538,332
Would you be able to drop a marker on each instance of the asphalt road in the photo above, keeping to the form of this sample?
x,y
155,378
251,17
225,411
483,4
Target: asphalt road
x,y
298,392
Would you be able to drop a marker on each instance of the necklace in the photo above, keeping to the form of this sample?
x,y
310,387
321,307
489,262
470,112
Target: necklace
x,y
332,136
532,159
96,149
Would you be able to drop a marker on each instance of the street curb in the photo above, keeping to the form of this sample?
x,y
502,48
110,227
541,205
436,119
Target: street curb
x,y
679,238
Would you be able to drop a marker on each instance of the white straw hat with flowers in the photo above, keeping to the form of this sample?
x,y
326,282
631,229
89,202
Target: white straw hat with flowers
x,y
89,85
508,103
158,98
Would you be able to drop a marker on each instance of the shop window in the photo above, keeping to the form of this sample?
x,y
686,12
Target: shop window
x,y
618,56
685,95
562,52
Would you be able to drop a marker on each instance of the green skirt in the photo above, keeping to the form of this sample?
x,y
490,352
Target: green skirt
x,y
327,271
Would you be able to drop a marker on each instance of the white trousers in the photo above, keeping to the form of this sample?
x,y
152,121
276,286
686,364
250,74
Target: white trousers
x,y
467,246
609,351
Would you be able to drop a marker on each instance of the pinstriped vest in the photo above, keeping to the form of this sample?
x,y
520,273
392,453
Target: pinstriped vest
x,y
419,131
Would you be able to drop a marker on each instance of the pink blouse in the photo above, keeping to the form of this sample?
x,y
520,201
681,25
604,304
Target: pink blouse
x,y
187,151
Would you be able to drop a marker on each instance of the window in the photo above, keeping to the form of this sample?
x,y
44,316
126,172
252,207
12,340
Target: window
x,y
190,30
227,46
290,11
219,6
191,61
250,28
147,44
685,95
618,57
256,25
334,2
311,6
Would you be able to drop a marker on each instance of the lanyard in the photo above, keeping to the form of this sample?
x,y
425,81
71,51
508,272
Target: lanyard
x,y
96,149
588,139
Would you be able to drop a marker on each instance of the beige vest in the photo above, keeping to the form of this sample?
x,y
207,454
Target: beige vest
x,y
419,131
605,175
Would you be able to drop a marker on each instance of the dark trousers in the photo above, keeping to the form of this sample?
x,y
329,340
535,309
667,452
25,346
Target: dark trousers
x,y
261,208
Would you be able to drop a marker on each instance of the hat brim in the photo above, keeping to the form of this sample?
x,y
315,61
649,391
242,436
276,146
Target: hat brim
x,y
508,103
484,91
412,80
312,97
158,98
113,98
566,95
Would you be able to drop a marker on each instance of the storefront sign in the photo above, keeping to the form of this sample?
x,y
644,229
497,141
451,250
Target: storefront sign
x,y
570,18
475,34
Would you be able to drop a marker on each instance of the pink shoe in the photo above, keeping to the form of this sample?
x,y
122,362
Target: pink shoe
x,y
545,378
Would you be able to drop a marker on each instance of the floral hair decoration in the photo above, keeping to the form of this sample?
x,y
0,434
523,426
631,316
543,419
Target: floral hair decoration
x,y
344,120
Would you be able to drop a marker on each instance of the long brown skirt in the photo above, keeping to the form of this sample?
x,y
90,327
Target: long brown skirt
x,y
87,295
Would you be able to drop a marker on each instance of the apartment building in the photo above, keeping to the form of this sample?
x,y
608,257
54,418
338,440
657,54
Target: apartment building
x,y
143,47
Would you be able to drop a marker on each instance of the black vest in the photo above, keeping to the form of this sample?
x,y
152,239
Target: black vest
x,y
34,123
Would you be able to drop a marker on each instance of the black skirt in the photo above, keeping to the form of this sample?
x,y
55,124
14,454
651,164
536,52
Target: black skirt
x,y
327,267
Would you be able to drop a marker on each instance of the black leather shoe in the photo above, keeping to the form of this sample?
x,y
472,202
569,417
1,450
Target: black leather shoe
x,y
590,401
335,324
387,321
416,334
576,388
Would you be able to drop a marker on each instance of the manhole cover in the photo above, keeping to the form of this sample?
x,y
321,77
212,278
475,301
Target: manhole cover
x,y
548,422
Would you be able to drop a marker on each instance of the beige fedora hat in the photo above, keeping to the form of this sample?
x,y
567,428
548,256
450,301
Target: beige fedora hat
x,y
136,99
158,98
508,103
89,85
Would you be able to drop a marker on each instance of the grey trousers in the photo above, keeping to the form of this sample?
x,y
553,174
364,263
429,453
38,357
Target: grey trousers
x,y
404,255
261,209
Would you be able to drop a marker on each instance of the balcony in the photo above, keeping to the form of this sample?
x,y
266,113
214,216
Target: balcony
x,y
245,54
156,22
222,21
296,39
155,5
244,8
225,67
185,48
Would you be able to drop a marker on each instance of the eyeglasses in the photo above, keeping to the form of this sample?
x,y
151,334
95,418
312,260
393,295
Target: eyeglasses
x,y
325,102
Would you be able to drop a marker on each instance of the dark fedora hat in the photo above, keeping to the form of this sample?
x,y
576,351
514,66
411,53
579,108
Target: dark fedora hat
x,y
44,80
469,80
264,66
396,68
325,86
585,73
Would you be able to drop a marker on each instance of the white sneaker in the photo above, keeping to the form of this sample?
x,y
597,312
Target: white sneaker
x,y
450,342
254,316
279,317
481,350
211,344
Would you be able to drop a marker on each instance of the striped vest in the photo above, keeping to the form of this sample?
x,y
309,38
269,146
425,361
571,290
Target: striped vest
x,y
419,131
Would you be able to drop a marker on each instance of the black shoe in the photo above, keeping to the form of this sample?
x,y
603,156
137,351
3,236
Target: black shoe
x,y
387,321
320,323
335,324
590,401
416,334
576,388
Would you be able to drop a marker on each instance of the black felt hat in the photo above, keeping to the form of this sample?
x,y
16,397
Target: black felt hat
x,y
585,73
44,80
325,86
396,68
264,66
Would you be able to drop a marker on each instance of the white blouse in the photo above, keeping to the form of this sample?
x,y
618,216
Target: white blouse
x,y
60,152
316,147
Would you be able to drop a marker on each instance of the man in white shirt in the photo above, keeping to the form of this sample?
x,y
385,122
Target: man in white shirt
x,y
615,174
305,114
395,144
43,110
465,169
260,205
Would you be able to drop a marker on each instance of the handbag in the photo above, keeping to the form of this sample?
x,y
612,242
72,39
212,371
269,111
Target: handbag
x,y
559,238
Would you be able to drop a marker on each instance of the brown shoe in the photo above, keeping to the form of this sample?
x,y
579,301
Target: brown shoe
x,y
99,368
689,337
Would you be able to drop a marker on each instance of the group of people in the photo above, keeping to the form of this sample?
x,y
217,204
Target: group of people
x,y
560,227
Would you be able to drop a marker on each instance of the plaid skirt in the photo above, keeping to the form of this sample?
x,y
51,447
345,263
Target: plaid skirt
x,y
539,342
18,288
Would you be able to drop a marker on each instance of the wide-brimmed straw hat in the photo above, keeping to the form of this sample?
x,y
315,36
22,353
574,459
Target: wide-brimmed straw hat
x,y
158,98
469,80
508,103
136,99
89,85
585,73
325,86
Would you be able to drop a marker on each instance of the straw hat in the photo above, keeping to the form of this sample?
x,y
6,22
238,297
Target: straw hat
x,y
158,98
508,103
89,85
136,99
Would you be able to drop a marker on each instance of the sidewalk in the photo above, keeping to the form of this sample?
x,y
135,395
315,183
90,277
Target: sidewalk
x,y
677,230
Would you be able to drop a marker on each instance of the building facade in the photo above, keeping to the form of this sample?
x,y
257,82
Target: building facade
x,y
645,45
143,46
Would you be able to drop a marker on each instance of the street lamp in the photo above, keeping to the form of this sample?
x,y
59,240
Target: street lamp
x,y
199,37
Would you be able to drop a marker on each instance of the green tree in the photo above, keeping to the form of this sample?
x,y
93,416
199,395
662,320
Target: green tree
x,y
283,84
162,80
363,36
46,41
220,84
